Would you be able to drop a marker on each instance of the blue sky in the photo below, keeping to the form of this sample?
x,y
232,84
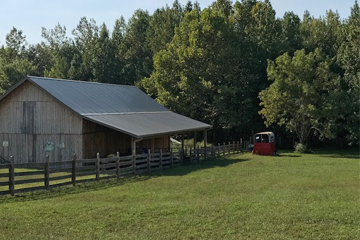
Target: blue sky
x,y
31,15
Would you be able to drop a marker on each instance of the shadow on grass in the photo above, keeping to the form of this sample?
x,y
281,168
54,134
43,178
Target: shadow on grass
x,y
352,153
287,155
113,182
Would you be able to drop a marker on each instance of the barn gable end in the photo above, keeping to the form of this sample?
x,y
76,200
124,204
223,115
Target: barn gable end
x,y
32,121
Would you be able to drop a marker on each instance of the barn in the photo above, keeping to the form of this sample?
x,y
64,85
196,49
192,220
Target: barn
x,y
56,117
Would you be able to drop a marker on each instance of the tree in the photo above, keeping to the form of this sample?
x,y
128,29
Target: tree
x,y
202,73
162,26
322,33
16,42
304,95
290,25
348,57
135,51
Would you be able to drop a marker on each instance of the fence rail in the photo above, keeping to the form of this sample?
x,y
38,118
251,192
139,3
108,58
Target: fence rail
x,y
25,177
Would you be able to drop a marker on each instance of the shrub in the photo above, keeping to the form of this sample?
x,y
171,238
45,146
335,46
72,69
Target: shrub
x,y
301,148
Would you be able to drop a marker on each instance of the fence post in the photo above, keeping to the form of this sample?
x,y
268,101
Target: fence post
x,y
224,146
148,160
182,156
46,173
73,176
212,150
11,176
161,157
198,154
171,158
229,147
218,149
191,152
134,164
241,144
233,147
117,164
237,147
97,166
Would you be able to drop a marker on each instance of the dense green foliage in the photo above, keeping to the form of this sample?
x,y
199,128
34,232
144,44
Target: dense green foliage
x,y
211,64
244,196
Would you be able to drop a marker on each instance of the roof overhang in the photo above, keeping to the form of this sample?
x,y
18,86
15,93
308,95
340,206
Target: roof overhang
x,y
148,125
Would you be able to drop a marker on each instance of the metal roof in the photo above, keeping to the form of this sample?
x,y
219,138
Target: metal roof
x,y
149,124
121,107
89,97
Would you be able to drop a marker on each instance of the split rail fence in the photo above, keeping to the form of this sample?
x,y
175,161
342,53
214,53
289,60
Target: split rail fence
x,y
25,177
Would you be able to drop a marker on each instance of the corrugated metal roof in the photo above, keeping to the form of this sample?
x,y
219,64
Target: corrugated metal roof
x,y
89,98
149,124
123,108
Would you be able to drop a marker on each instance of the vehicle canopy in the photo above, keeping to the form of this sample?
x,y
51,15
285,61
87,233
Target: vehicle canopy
x,y
265,137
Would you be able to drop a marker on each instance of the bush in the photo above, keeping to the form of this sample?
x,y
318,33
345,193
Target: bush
x,y
301,148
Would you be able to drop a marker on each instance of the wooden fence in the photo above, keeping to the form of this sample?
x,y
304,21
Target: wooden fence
x,y
25,177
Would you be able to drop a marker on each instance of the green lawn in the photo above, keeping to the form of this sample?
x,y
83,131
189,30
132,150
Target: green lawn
x,y
311,196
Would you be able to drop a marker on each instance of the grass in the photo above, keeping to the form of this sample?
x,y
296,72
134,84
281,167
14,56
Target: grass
x,y
293,196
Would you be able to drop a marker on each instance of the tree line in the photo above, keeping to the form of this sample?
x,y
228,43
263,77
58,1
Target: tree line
x,y
235,65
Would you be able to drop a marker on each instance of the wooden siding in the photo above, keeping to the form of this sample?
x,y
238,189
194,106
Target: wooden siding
x,y
30,118
103,140
162,142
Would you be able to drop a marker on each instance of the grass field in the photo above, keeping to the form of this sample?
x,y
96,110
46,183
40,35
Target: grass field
x,y
311,196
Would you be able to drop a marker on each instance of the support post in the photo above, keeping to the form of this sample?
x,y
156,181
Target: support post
x,y
133,146
12,176
148,160
195,139
117,164
161,157
182,155
224,146
205,144
46,173
97,167
218,149
73,175
152,145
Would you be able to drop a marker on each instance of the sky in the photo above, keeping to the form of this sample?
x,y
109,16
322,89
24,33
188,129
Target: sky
x,y
30,15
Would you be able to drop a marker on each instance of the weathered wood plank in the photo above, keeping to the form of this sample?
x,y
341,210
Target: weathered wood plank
x,y
26,181
4,183
4,192
60,177
17,174
81,174
4,175
60,170
85,168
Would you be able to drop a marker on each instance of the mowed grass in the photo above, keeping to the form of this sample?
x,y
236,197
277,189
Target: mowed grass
x,y
310,196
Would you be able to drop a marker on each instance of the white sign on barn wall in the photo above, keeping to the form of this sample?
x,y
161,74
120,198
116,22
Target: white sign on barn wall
x,y
5,144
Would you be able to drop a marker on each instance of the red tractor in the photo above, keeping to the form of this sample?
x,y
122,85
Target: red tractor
x,y
264,144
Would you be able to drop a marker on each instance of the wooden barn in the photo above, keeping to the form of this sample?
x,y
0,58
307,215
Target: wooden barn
x,y
42,116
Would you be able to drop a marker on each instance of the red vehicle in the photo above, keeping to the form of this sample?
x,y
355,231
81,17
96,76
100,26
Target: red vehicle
x,y
265,144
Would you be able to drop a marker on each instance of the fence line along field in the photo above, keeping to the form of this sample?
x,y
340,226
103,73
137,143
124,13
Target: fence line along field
x,y
239,196
25,177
